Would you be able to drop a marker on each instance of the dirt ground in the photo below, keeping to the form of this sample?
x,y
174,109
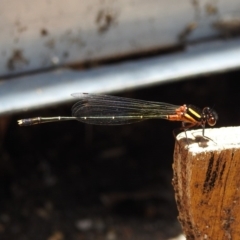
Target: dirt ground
x,y
74,181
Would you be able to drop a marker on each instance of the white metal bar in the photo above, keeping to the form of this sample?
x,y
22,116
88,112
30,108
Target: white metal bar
x,y
41,34
55,87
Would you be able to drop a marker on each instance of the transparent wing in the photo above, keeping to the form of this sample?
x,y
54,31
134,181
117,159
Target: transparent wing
x,y
111,110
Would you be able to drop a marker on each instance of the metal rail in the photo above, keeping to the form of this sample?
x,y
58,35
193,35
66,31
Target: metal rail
x,y
55,87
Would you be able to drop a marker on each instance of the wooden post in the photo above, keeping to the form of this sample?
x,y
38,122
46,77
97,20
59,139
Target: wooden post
x,y
207,183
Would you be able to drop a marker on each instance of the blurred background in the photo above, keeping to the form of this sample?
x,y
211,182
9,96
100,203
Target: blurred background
x,y
69,180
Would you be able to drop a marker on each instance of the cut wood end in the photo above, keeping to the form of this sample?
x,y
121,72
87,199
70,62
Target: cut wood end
x,y
215,139
206,183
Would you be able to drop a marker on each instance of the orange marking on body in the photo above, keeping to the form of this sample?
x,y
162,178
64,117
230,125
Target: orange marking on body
x,y
179,116
181,110
176,117
182,116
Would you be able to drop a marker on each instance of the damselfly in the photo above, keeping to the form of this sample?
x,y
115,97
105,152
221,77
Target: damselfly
x,y
112,110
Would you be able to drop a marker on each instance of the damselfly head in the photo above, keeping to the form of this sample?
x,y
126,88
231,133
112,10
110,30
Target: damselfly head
x,y
210,116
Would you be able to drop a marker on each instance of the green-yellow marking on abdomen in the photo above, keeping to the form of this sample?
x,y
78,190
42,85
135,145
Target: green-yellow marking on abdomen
x,y
194,113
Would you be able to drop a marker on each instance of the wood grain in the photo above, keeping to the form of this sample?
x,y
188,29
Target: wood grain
x,y
207,183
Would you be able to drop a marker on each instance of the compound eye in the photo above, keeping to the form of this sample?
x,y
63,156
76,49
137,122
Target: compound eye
x,y
211,121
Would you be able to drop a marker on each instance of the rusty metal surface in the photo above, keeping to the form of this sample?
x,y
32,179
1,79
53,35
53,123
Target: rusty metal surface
x,y
38,35
54,87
